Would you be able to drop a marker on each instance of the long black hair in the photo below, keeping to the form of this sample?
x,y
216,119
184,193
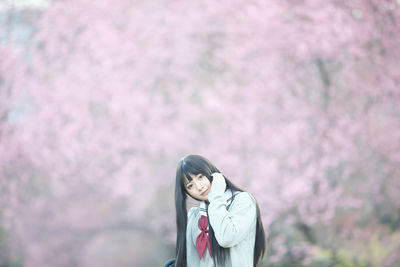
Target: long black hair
x,y
195,164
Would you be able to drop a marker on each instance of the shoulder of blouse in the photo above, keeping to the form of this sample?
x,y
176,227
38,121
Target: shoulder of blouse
x,y
192,211
242,198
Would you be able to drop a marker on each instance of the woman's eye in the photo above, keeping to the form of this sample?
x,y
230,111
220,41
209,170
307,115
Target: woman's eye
x,y
189,186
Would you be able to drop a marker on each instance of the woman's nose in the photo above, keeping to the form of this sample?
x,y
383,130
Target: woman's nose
x,y
199,185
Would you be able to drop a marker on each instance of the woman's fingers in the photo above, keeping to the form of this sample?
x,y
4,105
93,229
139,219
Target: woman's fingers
x,y
218,176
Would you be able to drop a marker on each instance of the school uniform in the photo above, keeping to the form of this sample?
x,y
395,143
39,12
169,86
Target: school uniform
x,y
234,224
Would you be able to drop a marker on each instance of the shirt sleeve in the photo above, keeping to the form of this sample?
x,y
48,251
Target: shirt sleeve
x,y
192,257
231,227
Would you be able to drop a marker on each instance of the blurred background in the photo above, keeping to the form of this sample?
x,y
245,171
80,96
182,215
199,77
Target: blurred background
x,y
296,101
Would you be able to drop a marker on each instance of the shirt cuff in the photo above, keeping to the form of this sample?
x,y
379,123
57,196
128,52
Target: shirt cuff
x,y
217,189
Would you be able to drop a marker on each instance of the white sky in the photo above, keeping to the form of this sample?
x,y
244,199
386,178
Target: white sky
x,y
20,4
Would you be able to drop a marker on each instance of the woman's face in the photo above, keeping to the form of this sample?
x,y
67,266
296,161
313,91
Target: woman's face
x,y
198,187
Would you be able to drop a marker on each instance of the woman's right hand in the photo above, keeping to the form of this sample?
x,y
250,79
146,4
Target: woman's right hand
x,y
218,183
217,176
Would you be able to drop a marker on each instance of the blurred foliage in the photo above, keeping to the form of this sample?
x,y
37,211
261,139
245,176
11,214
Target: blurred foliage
x,y
297,101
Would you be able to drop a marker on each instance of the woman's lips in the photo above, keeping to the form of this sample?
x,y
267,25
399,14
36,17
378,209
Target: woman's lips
x,y
205,192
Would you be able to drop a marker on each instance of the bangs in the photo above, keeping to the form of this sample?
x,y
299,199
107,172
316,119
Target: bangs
x,y
187,175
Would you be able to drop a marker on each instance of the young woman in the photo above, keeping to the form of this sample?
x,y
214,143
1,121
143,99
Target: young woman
x,y
225,230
